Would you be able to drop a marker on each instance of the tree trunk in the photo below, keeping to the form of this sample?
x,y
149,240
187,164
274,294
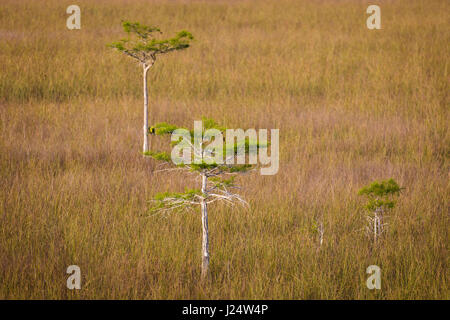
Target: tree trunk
x,y
146,143
205,237
321,232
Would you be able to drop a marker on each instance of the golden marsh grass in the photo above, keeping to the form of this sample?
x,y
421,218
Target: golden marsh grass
x,y
352,105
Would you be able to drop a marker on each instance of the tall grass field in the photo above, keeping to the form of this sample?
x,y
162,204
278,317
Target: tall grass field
x,y
353,106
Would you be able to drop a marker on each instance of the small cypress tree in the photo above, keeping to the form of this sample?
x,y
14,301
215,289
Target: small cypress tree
x,y
217,180
144,47
379,201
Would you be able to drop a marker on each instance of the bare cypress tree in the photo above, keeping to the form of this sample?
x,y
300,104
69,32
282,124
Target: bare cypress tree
x,y
143,46
214,184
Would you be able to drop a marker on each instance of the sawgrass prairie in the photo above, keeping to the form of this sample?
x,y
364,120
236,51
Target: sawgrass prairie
x,y
353,105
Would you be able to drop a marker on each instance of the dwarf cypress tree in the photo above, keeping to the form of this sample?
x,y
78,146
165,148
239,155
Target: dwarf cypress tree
x,y
143,46
380,199
217,179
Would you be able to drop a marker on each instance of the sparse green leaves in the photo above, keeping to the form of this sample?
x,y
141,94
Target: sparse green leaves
x,y
143,44
218,181
381,189
139,29
199,141
162,128
162,156
374,204
189,194
119,45
170,201
214,186
211,124
380,194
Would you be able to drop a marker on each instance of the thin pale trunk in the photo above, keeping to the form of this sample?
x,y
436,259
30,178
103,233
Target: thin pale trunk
x,y
146,142
205,236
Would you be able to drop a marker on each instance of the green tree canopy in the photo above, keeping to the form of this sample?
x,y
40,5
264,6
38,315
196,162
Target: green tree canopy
x,y
380,194
144,43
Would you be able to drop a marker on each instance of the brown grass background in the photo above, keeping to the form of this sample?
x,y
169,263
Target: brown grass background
x,y
352,105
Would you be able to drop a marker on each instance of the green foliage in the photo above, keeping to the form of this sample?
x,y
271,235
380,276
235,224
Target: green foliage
x,y
162,128
380,194
381,189
248,145
211,124
177,200
374,204
139,29
219,181
162,156
142,44
315,227
203,166
186,195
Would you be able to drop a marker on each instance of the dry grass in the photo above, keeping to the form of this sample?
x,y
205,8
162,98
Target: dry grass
x,y
352,106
